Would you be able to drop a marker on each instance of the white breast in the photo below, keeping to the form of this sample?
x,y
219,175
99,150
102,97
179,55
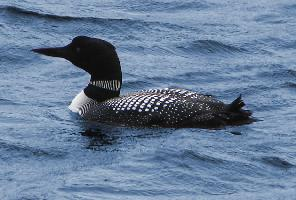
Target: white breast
x,y
78,102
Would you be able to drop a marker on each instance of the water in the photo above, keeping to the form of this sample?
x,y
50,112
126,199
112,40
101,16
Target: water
x,y
220,48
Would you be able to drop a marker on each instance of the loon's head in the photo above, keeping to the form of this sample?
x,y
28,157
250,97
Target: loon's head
x,y
95,56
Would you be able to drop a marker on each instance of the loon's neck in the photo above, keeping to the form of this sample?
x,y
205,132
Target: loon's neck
x,y
96,91
101,90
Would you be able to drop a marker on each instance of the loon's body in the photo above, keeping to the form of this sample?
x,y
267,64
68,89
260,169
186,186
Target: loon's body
x,y
100,100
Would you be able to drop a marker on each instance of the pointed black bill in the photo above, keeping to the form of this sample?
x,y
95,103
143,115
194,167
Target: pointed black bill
x,y
62,52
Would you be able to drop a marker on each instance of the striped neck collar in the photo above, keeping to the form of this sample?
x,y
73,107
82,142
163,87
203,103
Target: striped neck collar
x,y
113,85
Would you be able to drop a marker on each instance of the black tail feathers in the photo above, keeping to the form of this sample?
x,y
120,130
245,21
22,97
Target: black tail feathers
x,y
236,105
237,115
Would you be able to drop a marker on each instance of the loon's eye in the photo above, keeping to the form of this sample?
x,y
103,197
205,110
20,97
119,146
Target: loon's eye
x,y
77,50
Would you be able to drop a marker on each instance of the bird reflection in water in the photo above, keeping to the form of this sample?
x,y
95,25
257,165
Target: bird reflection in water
x,y
98,139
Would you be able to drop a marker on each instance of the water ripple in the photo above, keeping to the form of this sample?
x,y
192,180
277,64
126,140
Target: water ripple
x,y
270,19
209,46
169,6
6,102
200,157
24,12
277,162
291,85
17,11
21,150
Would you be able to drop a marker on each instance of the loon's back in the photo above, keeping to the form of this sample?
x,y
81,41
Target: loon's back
x,y
165,108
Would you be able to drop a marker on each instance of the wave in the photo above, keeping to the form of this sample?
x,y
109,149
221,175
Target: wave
x,y
186,158
138,84
168,6
130,23
276,73
291,85
209,46
21,150
269,19
290,45
201,157
289,9
24,12
21,11
8,102
277,162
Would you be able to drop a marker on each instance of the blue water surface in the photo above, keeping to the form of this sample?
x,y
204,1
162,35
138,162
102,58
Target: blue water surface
x,y
223,48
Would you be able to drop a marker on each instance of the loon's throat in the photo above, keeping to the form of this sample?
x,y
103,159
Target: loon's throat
x,y
101,90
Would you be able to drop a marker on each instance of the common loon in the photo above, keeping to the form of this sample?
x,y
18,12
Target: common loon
x,y
100,100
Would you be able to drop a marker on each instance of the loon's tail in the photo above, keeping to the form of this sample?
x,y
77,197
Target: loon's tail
x,y
232,114
236,105
235,113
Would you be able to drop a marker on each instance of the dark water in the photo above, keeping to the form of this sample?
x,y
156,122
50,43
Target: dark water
x,y
214,47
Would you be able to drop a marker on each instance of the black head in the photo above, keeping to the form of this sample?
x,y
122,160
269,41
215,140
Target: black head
x,y
95,56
